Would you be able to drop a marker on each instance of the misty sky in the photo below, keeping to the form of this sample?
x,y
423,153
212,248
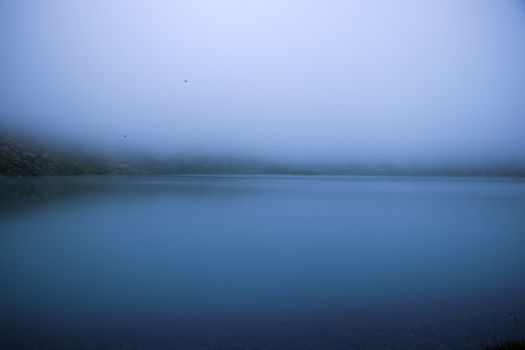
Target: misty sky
x,y
370,79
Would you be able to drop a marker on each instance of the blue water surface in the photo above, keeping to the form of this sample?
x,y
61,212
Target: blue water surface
x,y
261,262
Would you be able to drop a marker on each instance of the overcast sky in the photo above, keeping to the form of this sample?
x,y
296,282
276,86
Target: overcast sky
x,y
372,79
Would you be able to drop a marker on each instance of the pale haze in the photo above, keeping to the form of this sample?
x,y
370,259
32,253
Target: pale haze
x,y
375,80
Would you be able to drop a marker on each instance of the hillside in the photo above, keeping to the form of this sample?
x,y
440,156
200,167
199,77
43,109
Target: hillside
x,y
26,156
20,157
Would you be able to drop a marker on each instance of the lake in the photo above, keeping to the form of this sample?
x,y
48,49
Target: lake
x,y
261,262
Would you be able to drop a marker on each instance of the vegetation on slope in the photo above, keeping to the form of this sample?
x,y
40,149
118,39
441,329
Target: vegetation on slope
x,y
21,156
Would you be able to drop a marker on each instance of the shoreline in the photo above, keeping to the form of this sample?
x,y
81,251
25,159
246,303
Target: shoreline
x,y
21,157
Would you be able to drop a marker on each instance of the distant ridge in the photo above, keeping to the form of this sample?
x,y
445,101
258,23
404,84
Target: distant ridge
x,y
24,156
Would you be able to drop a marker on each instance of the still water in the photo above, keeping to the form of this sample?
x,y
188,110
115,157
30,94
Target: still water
x,y
261,262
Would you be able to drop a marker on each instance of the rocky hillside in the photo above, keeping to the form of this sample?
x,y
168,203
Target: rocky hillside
x,y
24,156
21,158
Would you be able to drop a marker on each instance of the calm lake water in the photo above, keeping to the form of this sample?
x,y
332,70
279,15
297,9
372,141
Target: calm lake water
x,y
261,262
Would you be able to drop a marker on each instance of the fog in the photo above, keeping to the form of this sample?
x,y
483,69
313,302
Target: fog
x,y
405,80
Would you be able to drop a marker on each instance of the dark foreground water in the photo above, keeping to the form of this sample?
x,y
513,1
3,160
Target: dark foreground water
x,y
261,262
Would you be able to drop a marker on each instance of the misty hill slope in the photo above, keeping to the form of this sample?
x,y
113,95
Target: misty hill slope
x,y
29,156
20,156
23,156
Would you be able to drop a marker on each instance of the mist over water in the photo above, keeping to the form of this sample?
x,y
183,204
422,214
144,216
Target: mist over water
x,y
197,174
399,81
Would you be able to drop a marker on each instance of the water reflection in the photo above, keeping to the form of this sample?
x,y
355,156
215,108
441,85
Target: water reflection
x,y
275,262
